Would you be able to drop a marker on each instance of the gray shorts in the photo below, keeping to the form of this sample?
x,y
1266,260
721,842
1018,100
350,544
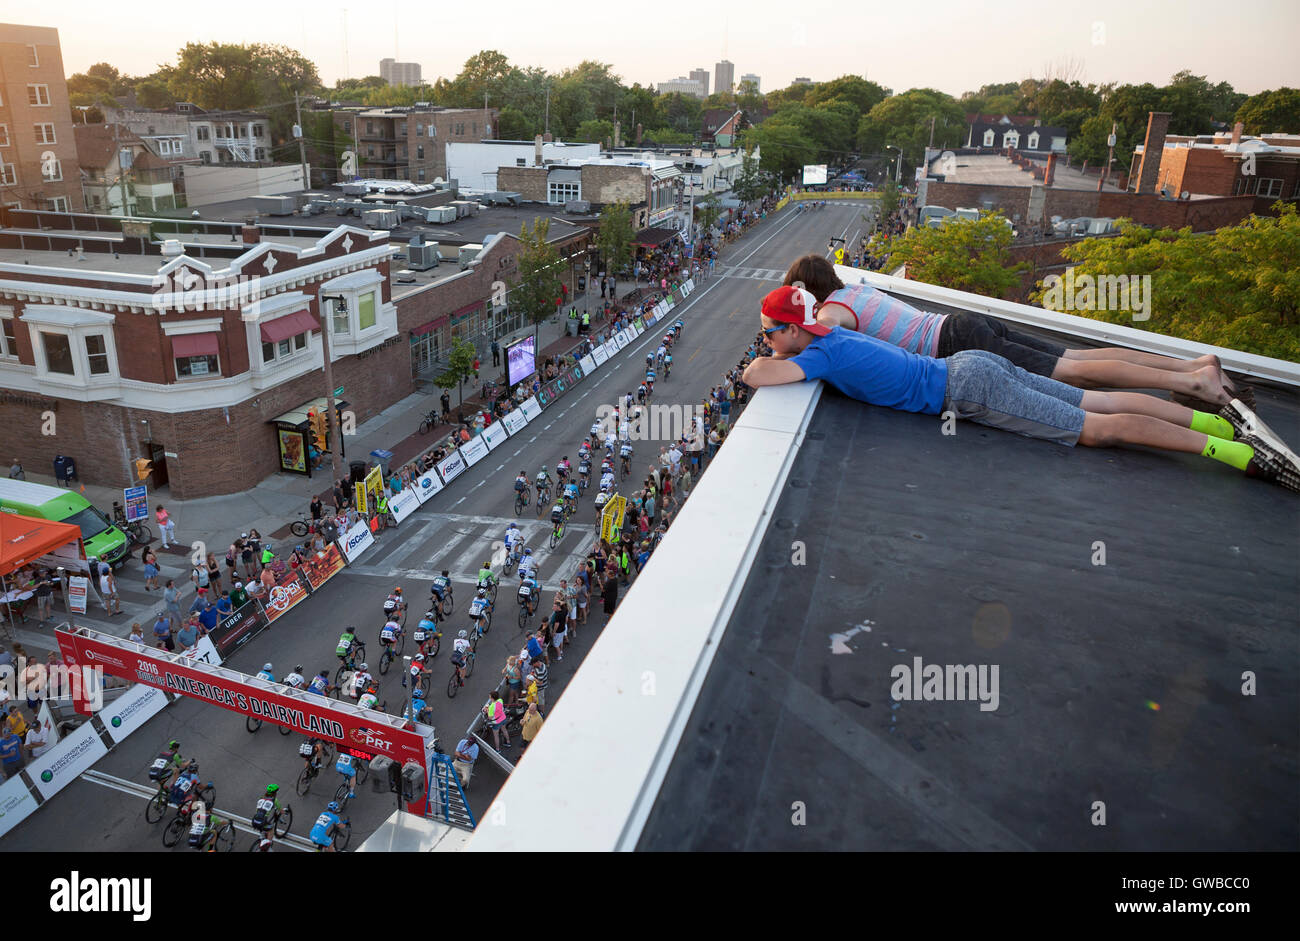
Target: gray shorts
x,y
985,388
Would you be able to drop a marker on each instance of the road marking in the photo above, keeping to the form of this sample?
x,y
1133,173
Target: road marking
x,y
693,355
532,439
499,466
517,450
459,502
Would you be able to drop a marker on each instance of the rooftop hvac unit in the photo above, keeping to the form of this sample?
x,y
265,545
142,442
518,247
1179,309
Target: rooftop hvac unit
x,y
422,257
467,254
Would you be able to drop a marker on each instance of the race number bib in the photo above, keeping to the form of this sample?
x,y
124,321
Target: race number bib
x,y
265,805
418,636
183,785
387,634
344,765
305,749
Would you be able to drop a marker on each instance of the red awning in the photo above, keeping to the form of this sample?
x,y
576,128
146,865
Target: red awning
x,y
290,325
431,326
24,540
194,344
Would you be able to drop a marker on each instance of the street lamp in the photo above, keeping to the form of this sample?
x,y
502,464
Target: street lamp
x,y
898,167
586,294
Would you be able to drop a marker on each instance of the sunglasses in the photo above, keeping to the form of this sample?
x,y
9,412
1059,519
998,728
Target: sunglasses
x,y
771,330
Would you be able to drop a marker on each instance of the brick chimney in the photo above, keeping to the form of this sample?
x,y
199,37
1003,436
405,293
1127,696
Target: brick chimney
x,y
1236,132
252,234
547,138
1050,173
1153,149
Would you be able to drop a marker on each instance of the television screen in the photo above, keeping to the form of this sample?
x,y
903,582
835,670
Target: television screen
x,y
521,360
814,174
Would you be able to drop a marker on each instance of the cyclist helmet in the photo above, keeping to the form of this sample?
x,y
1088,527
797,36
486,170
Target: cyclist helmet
x,y
446,573
271,789
428,615
173,744
486,565
482,592
462,635
266,667
527,551
397,590
543,468
565,458
325,674
297,668
332,807
364,667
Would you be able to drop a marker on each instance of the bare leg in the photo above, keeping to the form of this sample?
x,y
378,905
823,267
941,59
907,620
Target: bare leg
x,y
1105,431
1204,383
1136,403
1138,358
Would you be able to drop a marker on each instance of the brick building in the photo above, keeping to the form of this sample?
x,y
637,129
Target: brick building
x,y
648,186
410,143
38,154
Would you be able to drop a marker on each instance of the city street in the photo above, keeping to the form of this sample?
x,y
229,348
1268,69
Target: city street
x,y
456,530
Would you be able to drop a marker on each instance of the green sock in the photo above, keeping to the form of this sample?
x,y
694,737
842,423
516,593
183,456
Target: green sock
x,y
1234,453
1214,425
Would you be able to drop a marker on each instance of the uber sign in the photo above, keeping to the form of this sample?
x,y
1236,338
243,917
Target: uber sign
x,y
356,541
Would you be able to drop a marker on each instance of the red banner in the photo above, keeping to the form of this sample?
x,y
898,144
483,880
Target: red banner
x,y
306,713
288,590
320,567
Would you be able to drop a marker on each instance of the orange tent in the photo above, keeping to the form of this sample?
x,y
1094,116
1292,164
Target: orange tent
x,y
24,539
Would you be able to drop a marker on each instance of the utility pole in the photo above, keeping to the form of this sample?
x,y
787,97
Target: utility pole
x,y
302,147
547,129
121,171
931,145
1110,155
336,440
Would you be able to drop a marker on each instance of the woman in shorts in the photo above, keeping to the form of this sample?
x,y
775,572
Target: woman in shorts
x,y
513,677
151,569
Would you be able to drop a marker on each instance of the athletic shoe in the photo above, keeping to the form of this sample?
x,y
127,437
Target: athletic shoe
x,y
1246,423
1271,465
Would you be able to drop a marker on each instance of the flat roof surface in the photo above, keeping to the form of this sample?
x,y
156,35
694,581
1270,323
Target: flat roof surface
x,y
1120,683
997,170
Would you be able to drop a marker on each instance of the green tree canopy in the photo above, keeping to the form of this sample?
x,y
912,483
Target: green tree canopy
x,y
538,286
966,256
614,241
1271,111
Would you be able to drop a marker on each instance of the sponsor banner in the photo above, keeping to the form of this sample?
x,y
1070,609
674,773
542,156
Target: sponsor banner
x,y
77,593
320,567
16,802
204,652
546,394
651,319
402,505
131,710
450,467
135,503
474,450
629,333
611,347
495,435
356,541
359,498
78,750
531,408
639,327
305,713
289,589
239,627
691,284
599,355
588,363
515,421
620,339
428,484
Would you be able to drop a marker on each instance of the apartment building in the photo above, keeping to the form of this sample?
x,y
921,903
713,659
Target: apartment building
x,y
38,152
724,77
410,143
702,76
400,73
684,86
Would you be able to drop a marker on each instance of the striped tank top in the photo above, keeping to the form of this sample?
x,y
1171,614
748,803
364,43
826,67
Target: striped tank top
x,y
889,319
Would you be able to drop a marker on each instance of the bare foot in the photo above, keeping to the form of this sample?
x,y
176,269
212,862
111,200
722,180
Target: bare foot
x,y
1211,384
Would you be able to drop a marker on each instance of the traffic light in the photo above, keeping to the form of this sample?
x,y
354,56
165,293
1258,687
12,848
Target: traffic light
x,y
143,468
318,428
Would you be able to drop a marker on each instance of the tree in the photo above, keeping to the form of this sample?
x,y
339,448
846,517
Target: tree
x,y
679,112
460,367
707,211
862,94
903,121
538,287
216,76
965,256
594,132
748,97
1236,287
785,148
888,198
614,241
1271,111
750,185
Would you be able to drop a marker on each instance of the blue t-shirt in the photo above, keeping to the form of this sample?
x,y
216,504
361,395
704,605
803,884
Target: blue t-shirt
x,y
534,648
876,372
208,618
10,748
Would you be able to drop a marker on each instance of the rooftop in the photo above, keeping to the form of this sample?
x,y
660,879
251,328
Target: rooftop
x,y
1118,682
996,170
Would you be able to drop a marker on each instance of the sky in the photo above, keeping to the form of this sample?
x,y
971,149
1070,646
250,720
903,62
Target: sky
x,y
951,45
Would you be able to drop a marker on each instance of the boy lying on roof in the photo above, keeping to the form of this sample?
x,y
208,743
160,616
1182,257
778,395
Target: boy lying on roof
x,y
1198,383
982,387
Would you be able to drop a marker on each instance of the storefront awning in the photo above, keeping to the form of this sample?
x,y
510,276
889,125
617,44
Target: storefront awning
x,y
289,325
296,416
431,326
194,344
653,238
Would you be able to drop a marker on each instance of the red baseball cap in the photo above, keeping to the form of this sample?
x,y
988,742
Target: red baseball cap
x,y
796,306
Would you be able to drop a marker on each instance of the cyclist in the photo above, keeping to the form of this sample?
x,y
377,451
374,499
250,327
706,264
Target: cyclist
x,y
200,824
395,605
346,766
370,697
527,563
649,359
426,630
320,684
584,471
513,538
326,826
625,452
347,640
668,365
268,805
313,753
485,577
607,479
563,469
611,438
184,783
650,376
266,674
389,634
418,667
678,326
438,590
557,513
419,710
584,451
543,479
361,678
595,428
571,494
168,764
295,679
640,393
528,591
459,655
479,608
660,354
627,407
521,484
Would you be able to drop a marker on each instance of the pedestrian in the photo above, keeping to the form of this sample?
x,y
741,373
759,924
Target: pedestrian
x,y
166,527
16,722
463,762
199,575
188,635
209,616
609,591
16,471
496,353
649,508
246,555
11,753
583,595
45,595
495,714
108,589
570,591
137,634
513,678
172,599
541,675
531,725
558,627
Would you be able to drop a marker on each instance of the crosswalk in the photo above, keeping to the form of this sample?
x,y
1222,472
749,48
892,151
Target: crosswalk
x,y
460,543
756,274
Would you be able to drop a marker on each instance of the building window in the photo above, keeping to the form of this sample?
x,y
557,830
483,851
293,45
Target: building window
x,y
8,339
419,151
370,128
563,192
1033,141
340,317
193,367
1269,187
205,157
285,348
401,128
988,138
7,175
4,135
419,130
420,175
366,310
97,354
257,130
58,353
57,204
202,132
347,127
95,201
51,171
259,153
44,133
38,96
520,162
33,59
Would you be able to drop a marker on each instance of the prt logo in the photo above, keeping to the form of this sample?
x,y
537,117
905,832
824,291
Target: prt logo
x,y
370,739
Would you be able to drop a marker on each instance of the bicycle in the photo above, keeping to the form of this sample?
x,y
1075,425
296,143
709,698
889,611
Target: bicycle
x,y
341,838
543,498
301,526
427,642
387,658
310,772
526,611
508,564
429,422
584,481
138,530
522,499
276,822
158,804
253,723
344,788
557,533
446,604
221,834
460,674
626,469
349,663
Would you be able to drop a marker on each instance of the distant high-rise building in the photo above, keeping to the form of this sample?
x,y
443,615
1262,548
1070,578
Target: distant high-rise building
x,y
750,77
400,73
702,76
686,86
724,77
801,80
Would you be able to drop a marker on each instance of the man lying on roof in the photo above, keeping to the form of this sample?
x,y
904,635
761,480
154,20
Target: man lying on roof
x,y
982,387
1198,383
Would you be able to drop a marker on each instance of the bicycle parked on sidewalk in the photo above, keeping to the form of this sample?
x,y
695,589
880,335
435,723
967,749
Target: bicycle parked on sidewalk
x,y
429,422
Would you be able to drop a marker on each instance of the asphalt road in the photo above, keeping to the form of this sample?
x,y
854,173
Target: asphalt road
x,y
454,531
